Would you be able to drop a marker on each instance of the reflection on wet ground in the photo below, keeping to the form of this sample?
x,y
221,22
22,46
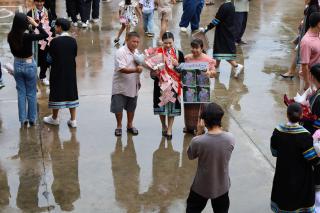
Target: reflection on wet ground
x,y
50,169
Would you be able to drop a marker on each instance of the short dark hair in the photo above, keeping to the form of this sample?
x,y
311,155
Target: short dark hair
x,y
315,72
314,19
212,114
294,112
63,23
133,34
167,35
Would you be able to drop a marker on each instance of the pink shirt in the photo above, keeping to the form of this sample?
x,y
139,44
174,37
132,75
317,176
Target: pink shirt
x,y
310,49
205,58
125,84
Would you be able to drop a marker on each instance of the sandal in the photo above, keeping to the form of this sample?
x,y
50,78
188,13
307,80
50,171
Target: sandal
x,y
133,131
164,132
118,132
169,137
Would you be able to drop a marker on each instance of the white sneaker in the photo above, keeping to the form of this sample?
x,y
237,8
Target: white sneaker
x,y
237,70
50,120
183,29
45,81
95,20
72,123
75,24
85,24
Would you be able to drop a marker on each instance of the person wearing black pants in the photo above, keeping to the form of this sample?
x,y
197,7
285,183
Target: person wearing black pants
x,y
41,14
213,151
73,7
240,19
85,10
51,6
196,203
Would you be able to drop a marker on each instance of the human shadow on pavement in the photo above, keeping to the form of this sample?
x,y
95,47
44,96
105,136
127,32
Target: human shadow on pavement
x,y
65,162
30,172
126,171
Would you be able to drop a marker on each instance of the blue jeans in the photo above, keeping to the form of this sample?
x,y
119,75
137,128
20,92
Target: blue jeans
x,y
191,13
25,74
148,21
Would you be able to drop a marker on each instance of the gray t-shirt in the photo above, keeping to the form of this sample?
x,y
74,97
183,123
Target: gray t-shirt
x,y
213,152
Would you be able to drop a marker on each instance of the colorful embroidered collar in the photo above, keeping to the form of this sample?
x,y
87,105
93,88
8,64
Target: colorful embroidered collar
x,y
291,129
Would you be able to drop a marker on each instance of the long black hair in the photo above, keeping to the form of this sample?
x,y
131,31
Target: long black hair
x,y
19,26
313,6
167,35
314,2
127,2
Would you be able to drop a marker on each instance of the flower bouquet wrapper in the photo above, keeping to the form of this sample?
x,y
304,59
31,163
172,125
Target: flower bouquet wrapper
x,y
153,59
316,141
139,58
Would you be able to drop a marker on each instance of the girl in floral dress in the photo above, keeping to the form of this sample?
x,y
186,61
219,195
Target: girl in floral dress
x,y
129,14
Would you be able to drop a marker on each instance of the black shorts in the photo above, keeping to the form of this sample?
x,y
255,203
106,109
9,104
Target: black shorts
x,y
120,102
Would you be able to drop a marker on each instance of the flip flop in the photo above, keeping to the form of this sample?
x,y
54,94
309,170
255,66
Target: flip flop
x,y
133,131
164,133
118,132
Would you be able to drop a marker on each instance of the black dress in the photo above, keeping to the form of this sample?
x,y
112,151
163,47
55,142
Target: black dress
x,y
224,40
63,79
293,184
169,109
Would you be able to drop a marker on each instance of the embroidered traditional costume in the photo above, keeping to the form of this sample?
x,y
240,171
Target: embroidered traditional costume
x,y
294,183
44,18
224,40
167,86
63,80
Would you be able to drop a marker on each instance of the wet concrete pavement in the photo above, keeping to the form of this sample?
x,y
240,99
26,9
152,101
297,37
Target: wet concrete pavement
x,y
55,169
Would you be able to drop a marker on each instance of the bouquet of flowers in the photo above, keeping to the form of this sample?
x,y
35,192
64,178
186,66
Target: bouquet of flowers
x,y
154,59
306,111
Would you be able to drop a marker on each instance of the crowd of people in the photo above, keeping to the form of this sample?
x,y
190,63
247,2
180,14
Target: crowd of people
x,y
48,44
